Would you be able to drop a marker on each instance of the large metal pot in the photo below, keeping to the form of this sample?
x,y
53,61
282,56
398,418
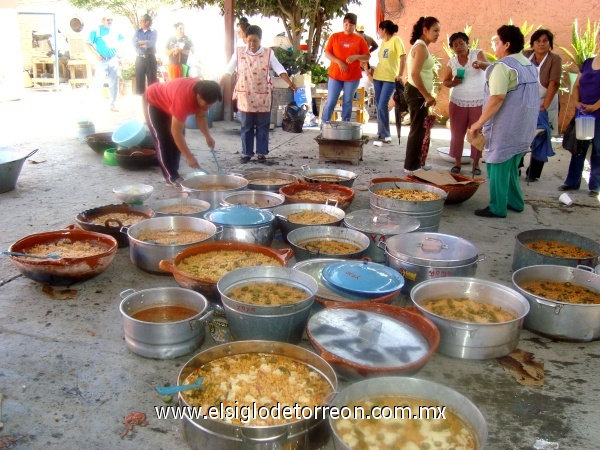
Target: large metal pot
x,y
342,131
113,227
283,323
11,163
197,187
282,213
561,320
379,227
255,199
304,235
209,287
332,192
163,340
243,224
269,181
523,256
474,340
412,387
424,256
429,212
205,433
329,176
199,206
147,255
65,271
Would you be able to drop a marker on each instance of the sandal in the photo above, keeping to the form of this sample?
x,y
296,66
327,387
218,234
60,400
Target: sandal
x,y
566,187
455,169
476,171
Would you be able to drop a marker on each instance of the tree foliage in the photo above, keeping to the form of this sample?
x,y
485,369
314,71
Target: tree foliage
x,y
300,18
131,9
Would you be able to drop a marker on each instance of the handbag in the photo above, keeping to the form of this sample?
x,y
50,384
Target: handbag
x,y
293,118
570,141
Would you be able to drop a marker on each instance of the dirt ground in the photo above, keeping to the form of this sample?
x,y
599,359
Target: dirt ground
x,y
65,374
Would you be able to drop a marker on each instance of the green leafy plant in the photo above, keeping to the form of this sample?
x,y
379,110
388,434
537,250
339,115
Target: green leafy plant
x,y
127,71
292,61
319,74
583,42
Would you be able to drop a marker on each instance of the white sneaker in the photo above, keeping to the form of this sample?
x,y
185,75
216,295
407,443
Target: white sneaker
x,y
387,140
426,167
410,172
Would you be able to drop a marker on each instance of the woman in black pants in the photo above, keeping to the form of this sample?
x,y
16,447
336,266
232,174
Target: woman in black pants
x,y
419,88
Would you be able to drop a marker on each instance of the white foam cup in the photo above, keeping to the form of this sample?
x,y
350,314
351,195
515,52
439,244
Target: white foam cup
x,y
565,199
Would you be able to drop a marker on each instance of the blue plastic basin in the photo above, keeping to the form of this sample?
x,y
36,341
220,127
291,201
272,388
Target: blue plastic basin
x,y
129,134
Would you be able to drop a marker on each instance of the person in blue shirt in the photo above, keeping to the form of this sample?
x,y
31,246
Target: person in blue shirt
x,y
104,43
144,42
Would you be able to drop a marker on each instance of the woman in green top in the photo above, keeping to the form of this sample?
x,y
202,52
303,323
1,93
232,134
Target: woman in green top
x,y
419,88
392,60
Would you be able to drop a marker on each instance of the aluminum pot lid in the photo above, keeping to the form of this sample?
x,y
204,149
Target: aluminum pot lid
x,y
367,338
372,222
363,278
432,249
239,215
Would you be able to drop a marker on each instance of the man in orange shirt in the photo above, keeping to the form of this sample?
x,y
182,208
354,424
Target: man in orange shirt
x,y
345,50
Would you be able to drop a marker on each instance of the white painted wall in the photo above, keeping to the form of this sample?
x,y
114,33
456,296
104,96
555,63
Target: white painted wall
x,y
11,73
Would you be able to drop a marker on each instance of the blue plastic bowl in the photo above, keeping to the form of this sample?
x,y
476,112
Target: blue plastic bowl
x,y
129,134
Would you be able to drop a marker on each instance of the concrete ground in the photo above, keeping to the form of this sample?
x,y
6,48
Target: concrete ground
x,y
65,374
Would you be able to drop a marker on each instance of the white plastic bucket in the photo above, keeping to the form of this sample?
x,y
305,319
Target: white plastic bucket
x,y
584,127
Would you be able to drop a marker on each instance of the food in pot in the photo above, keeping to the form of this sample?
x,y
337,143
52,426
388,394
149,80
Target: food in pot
x,y
216,187
267,294
180,209
308,217
329,246
319,197
561,291
212,266
255,380
164,314
559,249
404,431
172,237
463,309
270,181
256,203
328,178
408,194
125,218
66,248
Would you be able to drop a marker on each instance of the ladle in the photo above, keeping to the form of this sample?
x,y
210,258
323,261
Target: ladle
x,y
49,256
170,390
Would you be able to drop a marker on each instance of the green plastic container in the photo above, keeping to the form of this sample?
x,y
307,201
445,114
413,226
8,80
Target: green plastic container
x,y
109,157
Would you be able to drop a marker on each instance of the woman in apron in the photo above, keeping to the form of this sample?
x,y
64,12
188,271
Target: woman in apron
x,y
549,68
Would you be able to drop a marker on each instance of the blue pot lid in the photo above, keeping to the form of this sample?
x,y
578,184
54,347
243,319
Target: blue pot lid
x,y
362,277
239,215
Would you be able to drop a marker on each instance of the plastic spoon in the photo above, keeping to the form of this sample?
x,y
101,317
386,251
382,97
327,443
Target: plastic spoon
x,y
170,390
49,256
212,150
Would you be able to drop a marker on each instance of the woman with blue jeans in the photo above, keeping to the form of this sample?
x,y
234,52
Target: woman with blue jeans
x,y
586,93
392,60
345,50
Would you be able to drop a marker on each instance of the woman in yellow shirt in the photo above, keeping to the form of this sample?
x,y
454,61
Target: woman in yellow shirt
x,y
392,61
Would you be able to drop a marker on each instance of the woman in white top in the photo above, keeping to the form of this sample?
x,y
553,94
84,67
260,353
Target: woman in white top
x,y
418,89
466,97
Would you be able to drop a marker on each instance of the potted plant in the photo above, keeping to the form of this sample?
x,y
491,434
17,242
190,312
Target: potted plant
x,y
126,78
584,46
319,76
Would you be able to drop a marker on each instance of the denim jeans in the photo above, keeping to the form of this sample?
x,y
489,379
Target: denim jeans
x,y
254,124
108,68
334,87
577,163
383,92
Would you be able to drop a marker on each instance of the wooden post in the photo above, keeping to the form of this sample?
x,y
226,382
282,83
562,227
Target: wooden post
x,y
229,48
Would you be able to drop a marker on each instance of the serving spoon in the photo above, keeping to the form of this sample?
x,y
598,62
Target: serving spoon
x,y
170,390
49,256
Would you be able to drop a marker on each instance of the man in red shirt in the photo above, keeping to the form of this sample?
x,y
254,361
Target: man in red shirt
x,y
166,107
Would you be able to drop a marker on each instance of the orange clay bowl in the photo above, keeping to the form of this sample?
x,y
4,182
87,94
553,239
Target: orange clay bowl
x,y
457,193
343,194
206,286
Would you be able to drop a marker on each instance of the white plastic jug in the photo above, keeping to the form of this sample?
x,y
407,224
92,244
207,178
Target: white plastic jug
x,y
584,127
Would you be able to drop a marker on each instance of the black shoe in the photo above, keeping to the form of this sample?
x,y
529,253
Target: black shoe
x,y
566,187
245,159
515,209
530,180
261,159
486,212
